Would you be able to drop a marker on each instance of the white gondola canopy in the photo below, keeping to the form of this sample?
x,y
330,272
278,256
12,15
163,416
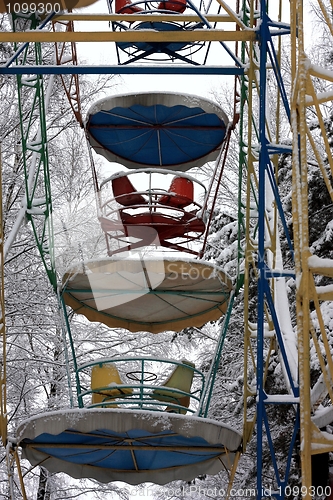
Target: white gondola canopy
x,y
147,294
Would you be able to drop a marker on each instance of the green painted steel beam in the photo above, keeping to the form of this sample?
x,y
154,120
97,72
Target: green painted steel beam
x,y
31,103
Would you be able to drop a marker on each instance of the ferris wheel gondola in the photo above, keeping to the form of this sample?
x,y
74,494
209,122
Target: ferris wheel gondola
x,y
163,130
152,215
134,430
156,51
147,293
125,445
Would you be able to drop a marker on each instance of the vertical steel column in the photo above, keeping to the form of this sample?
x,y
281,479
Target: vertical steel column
x,y
33,102
261,242
301,234
259,152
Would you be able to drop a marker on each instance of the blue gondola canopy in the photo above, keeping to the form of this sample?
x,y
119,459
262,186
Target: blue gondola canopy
x,y
171,130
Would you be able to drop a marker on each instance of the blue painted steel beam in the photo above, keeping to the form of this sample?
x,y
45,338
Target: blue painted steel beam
x,y
271,273
282,482
263,35
266,174
272,55
278,333
117,70
279,149
272,180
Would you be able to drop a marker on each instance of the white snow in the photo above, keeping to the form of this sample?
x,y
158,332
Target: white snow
x,y
317,262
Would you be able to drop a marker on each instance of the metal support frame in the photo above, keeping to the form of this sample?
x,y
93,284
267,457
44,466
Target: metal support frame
x,y
32,103
260,214
122,70
211,376
129,36
66,54
311,150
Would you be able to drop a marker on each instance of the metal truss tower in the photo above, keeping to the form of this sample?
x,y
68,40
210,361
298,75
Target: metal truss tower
x,y
265,105
311,96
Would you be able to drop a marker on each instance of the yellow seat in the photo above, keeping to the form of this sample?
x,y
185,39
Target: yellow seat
x,y
181,378
182,401
107,375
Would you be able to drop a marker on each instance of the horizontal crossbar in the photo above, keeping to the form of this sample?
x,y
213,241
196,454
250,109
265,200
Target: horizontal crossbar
x,y
117,70
198,35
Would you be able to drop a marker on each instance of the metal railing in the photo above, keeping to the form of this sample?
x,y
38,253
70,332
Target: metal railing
x,y
140,384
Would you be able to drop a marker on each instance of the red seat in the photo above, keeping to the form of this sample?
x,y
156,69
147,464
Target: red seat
x,y
125,193
166,227
181,193
126,7
152,228
175,6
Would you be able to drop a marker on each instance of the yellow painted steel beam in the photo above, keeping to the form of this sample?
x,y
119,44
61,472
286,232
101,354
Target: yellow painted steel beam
x,y
304,96
321,98
320,73
306,292
321,442
325,362
325,139
313,441
325,295
212,18
20,475
251,247
326,15
232,14
323,270
129,36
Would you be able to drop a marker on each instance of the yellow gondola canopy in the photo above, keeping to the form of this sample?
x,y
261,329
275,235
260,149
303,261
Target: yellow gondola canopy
x,y
147,294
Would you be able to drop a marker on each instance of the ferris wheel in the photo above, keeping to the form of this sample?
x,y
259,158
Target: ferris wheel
x,y
158,431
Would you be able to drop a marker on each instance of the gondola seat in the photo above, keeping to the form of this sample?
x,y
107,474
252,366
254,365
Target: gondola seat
x,y
125,193
106,384
180,193
126,7
175,6
179,380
